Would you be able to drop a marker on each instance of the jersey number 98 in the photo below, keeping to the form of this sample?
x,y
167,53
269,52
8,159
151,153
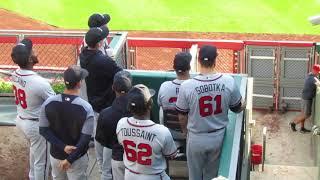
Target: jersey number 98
x,y
206,107
20,96
141,155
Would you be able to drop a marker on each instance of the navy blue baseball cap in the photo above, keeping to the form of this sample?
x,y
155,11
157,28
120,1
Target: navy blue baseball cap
x,y
21,52
181,62
208,53
73,75
95,35
122,82
98,20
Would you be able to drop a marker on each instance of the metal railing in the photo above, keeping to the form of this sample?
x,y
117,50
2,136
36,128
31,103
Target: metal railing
x,y
56,50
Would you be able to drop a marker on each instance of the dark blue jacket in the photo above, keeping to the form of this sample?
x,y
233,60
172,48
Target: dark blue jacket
x,y
107,125
101,70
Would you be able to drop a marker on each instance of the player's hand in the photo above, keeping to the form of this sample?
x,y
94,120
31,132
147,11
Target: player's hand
x,y
184,133
64,165
69,149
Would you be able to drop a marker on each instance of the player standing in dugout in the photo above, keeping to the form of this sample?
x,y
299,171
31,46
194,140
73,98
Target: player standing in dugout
x,y
101,70
66,121
145,143
203,104
108,120
169,90
30,91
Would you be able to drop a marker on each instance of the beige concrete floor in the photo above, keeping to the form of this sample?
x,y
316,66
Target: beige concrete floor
x,y
289,155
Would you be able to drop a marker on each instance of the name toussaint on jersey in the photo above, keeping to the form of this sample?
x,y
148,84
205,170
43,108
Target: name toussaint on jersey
x,y
137,133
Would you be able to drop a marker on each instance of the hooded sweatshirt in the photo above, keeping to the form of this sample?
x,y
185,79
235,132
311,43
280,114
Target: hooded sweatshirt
x,y
101,70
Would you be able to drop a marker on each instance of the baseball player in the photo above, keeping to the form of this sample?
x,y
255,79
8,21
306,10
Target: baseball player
x,y
169,90
145,144
98,20
108,120
66,121
203,103
101,70
308,94
31,90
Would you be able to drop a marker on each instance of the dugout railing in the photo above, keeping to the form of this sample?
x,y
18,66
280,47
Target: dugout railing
x,y
157,53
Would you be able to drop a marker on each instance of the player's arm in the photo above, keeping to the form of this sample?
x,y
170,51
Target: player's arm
x,y
85,137
316,81
44,129
104,130
110,67
182,107
159,99
169,148
237,104
46,90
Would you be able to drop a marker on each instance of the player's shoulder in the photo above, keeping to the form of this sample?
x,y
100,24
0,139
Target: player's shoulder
x,y
228,79
166,83
161,129
227,76
123,121
164,86
188,83
52,98
86,105
41,81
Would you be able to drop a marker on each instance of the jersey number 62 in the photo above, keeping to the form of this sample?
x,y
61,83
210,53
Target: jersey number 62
x,y
141,155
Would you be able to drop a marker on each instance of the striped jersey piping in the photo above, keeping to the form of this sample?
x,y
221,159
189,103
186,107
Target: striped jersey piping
x,y
23,74
135,125
208,80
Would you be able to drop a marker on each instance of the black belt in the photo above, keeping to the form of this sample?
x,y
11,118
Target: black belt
x,y
216,130
31,119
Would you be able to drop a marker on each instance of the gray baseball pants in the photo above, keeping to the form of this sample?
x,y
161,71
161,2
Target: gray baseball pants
x,y
203,154
39,149
118,170
77,171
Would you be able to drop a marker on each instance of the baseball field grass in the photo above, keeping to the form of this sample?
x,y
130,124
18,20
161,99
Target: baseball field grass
x,y
244,16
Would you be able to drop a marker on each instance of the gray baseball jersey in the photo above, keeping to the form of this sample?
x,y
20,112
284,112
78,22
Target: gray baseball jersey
x,y
146,145
168,94
30,90
207,99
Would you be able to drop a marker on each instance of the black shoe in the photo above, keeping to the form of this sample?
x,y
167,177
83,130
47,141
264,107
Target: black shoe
x,y
304,130
293,126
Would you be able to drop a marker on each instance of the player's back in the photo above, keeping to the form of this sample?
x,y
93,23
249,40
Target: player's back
x,y
30,90
208,99
168,94
146,145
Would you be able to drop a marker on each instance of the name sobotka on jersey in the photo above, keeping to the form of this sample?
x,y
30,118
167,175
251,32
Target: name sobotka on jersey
x,y
210,87
207,99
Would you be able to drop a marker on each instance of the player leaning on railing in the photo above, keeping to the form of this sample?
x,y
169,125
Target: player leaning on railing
x,y
308,94
31,91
